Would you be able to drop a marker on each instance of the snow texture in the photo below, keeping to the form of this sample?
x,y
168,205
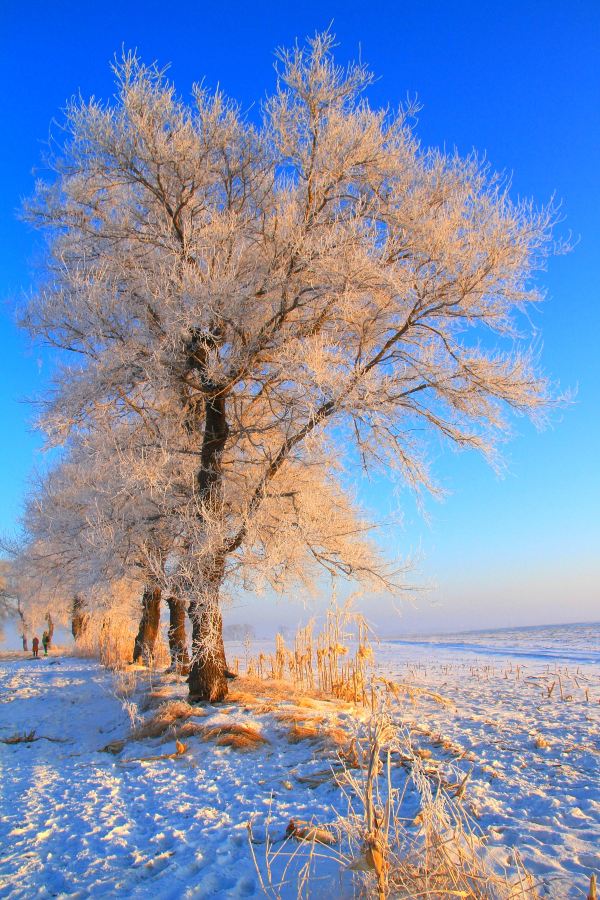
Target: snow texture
x,y
75,821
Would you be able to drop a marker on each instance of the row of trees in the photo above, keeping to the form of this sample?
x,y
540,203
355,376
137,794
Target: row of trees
x,y
244,311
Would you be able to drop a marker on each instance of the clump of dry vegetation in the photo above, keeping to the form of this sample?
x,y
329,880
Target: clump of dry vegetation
x,y
25,737
300,732
125,683
240,737
387,849
28,737
305,831
167,721
107,632
438,852
108,637
155,697
323,661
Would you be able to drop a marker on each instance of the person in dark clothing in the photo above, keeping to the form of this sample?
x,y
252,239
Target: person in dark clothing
x,y
45,642
35,644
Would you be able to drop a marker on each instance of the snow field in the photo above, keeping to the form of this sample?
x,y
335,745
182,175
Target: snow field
x,y
533,757
80,822
75,821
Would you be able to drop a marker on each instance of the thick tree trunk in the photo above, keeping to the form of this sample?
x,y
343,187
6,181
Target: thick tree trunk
x,y
207,674
180,661
79,618
207,679
149,623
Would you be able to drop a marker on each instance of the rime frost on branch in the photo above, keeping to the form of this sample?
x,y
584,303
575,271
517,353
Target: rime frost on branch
x,y
246,312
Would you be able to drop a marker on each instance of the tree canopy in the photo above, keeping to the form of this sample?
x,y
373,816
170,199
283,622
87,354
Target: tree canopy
x,y
244,308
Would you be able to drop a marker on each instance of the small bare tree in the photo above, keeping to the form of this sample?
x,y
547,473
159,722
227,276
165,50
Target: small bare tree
x,y
272,301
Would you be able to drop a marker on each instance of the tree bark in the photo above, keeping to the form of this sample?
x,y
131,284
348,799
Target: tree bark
x,y
23,623
207,674
207,679
50,628
149,623
180,660
79,618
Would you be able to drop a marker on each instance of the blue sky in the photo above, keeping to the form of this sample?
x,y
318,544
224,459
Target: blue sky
x,y
520,81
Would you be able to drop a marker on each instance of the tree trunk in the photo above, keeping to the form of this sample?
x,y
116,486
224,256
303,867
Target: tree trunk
x,y
79,619
180,661
148,631
50,628
207,673
207,679
23,623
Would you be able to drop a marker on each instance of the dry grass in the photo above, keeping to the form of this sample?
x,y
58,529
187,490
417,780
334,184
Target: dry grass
x,y
330,737
338,738
298,715
305,831
323,661
154,698
108,637
111,638
165,719
272,690
25,737
186,730
125,683
240,737
28,737
309,702
172,722
441,855
113,747
437,854
400,689
263,708
243,698
299,733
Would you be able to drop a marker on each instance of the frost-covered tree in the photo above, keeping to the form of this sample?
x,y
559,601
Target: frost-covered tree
x,y
83,532
272,301
61,557
6,601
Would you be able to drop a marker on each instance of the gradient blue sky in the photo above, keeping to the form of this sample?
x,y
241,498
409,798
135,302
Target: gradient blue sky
x,y
520,81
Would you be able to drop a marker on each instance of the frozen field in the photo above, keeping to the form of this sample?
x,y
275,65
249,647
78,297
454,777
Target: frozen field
x,y
80,823
578,643
528,721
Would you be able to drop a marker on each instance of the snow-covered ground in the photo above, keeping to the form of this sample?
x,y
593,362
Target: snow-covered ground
x,y
78,822
75,821
529,730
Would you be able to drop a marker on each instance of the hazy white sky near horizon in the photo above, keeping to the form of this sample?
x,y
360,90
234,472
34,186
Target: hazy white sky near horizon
x,y
491,600
514,548
472,560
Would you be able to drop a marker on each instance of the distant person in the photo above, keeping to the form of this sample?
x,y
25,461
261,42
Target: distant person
x,y
35,645
45,642
25,643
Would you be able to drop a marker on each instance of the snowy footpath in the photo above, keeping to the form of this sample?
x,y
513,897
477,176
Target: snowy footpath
x,y
78,822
